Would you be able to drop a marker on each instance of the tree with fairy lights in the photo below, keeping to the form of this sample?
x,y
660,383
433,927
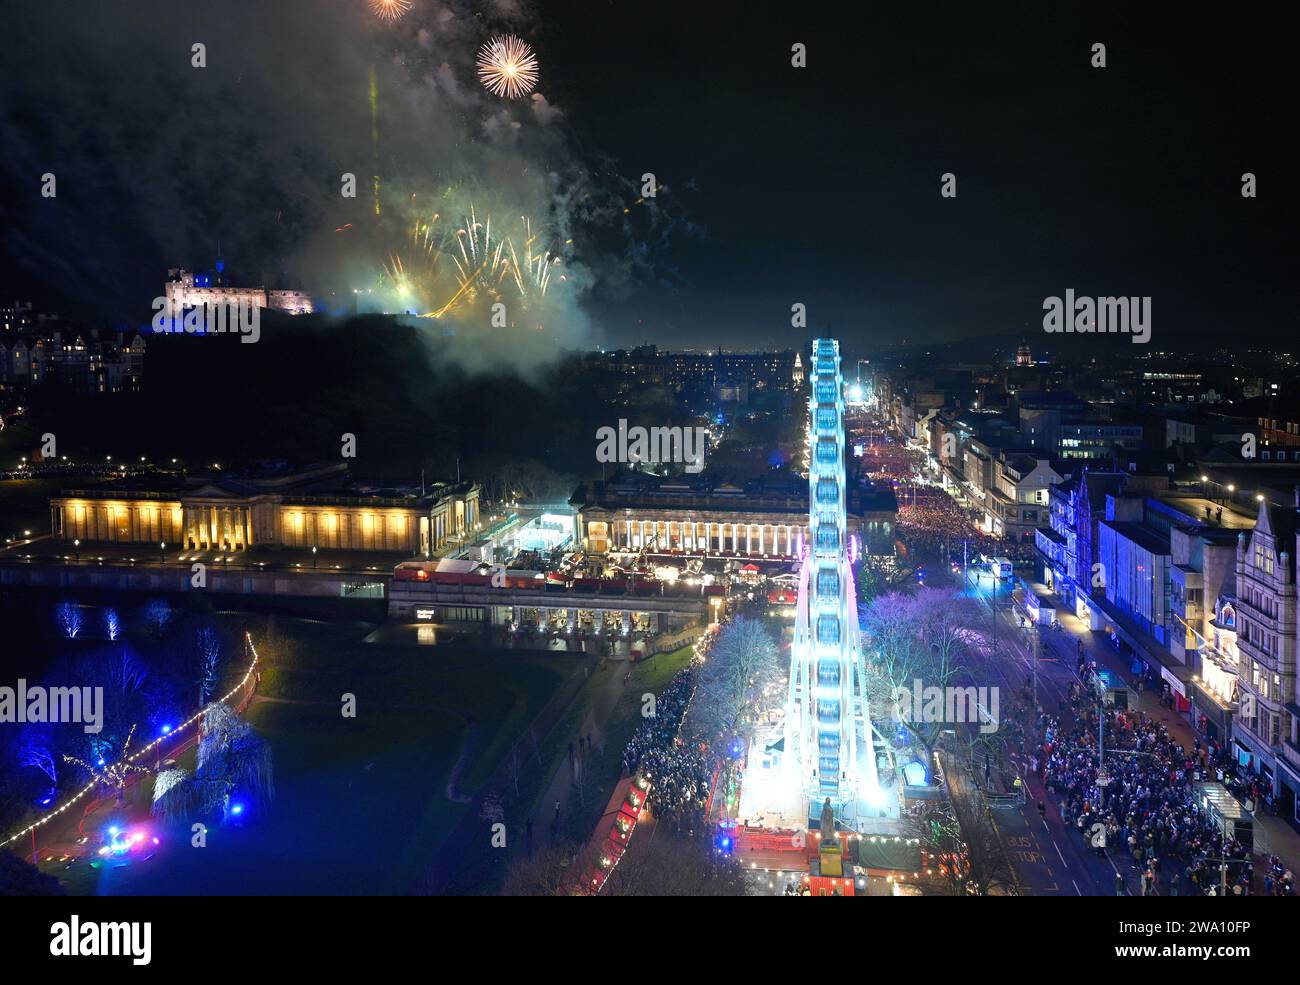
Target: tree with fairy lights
x,y
113,775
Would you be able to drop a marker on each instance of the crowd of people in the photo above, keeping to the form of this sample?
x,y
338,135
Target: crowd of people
x,y
660,730
680,777
1146,805
929,527
679,772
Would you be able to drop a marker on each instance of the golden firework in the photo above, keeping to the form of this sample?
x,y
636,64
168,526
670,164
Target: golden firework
x,y
507,66
390,10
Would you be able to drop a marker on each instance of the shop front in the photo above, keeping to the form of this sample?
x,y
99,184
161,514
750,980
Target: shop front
x,y
1214,696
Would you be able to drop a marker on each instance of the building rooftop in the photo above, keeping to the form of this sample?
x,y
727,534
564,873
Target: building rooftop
x,y
1140,534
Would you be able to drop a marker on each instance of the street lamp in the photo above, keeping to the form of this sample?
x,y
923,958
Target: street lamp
x,y
77,544
1231,490
313,556
162,552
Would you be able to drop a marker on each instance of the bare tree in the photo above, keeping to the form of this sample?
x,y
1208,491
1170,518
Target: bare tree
x,y
922,637
69,619
552,870
740,680
514,767
665,865
209,650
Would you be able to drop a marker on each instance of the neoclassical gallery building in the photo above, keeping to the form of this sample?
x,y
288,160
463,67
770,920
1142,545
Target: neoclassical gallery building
x,y
297,508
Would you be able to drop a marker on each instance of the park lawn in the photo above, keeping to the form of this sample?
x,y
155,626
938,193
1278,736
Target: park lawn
x,y
649,676
360,803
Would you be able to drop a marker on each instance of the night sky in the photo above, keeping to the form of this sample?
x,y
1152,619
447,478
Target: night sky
x,y
818,185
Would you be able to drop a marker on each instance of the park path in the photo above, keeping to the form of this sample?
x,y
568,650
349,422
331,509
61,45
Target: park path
x,y
593,724
467,746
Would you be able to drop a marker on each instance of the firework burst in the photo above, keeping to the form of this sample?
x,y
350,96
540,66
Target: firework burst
x,y
390,10
507,67
441,272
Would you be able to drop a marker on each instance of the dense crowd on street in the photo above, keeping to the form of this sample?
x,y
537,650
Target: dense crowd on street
x,y
679,772
660,730
1146,807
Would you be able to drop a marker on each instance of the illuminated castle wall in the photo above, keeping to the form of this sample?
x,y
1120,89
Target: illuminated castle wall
x,y
828,728
188,290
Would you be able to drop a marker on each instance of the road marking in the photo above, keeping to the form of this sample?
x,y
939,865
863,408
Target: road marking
x,y
1076,888
1058,853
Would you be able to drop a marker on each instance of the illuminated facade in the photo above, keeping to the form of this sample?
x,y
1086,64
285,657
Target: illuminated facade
x,y
828,728
1264,728
185,289
289,511
692,514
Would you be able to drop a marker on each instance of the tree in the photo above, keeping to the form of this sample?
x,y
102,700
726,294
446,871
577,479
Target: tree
x,y
871,580
69,619
988,872
114,775
922,637
208,647
37,752
157,618
112,625
551,870
514,767
666,865
232,757
739,682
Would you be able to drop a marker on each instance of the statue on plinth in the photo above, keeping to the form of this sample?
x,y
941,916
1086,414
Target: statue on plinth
x,y
828,818
830,856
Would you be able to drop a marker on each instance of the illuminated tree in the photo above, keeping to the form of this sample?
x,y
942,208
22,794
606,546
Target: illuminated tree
x,y
69,619
113,775
157,617
232,758
739,681
209,651
112,625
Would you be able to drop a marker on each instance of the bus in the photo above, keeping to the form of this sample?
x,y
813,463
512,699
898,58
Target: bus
x,y
1001,567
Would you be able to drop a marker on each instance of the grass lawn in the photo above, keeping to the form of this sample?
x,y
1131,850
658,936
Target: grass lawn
x,y
482,868
648,677
360,802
